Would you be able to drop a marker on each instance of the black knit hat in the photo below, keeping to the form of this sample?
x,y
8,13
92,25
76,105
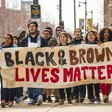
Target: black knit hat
x,y
32,22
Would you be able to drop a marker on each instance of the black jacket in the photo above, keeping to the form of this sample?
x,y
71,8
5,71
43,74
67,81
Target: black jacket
x,y
24,41
48,39
62,45
76,42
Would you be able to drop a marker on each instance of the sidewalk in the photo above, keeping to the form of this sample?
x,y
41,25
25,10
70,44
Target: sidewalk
x,y
54,107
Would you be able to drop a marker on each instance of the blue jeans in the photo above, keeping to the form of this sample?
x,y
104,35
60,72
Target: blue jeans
x,y
33,93
19,92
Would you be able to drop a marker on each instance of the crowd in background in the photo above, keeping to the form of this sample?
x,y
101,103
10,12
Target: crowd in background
x,y
53,39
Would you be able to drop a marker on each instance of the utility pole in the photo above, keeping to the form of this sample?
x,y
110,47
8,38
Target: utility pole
x,y
60,11
85,17
85,26
35,1
74,16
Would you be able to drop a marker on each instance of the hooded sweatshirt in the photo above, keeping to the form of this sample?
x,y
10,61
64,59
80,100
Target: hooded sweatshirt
x,y
54,40
19,30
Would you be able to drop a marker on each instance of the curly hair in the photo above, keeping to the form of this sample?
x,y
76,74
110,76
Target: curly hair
x,y
94,32
67,36
101,34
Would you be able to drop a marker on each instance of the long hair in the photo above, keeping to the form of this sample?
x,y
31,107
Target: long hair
x,y
101,34
67,36
11,44
96,39
17,39
80,31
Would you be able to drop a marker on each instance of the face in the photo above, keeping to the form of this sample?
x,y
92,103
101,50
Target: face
x,y
63,38
15,41
77,33
23,33
7,40
91,37
46,35
58,31
106,34
32,29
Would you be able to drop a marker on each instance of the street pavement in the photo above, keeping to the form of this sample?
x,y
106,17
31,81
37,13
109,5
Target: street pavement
x,y
54,107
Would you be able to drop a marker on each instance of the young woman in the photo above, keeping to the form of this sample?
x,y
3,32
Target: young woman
x,y
105,35
77,40
7,95
15,41
64,40
91,38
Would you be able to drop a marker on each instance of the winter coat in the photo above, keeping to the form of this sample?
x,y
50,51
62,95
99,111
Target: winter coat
x,y
52,42
24,41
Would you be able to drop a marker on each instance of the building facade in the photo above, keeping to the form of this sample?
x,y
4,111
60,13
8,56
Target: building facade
x,y
107,13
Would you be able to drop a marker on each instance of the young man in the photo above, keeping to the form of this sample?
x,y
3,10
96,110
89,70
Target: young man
x,y
33,39
54,40
21,33
19,91
47,92
47,34
49,28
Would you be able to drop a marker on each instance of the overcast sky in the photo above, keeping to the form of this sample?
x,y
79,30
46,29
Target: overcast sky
x,y
49,9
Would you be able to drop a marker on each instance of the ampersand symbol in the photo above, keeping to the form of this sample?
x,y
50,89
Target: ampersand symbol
x,y
61,55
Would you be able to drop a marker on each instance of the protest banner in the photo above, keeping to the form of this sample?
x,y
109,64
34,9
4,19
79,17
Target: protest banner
x,y
60,67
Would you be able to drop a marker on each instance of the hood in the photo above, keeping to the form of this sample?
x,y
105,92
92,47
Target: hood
x,y
55,35
19,30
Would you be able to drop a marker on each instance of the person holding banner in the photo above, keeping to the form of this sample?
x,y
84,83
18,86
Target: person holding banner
x,y
105,35
47,35
33,39
64,40
77,40
7,95
20,97
91,38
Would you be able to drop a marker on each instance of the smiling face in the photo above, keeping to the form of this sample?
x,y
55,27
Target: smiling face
x,y
91,37
7,40
106,34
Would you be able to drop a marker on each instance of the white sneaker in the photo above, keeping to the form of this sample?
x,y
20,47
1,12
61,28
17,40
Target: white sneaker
x,y
24,97
39,100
